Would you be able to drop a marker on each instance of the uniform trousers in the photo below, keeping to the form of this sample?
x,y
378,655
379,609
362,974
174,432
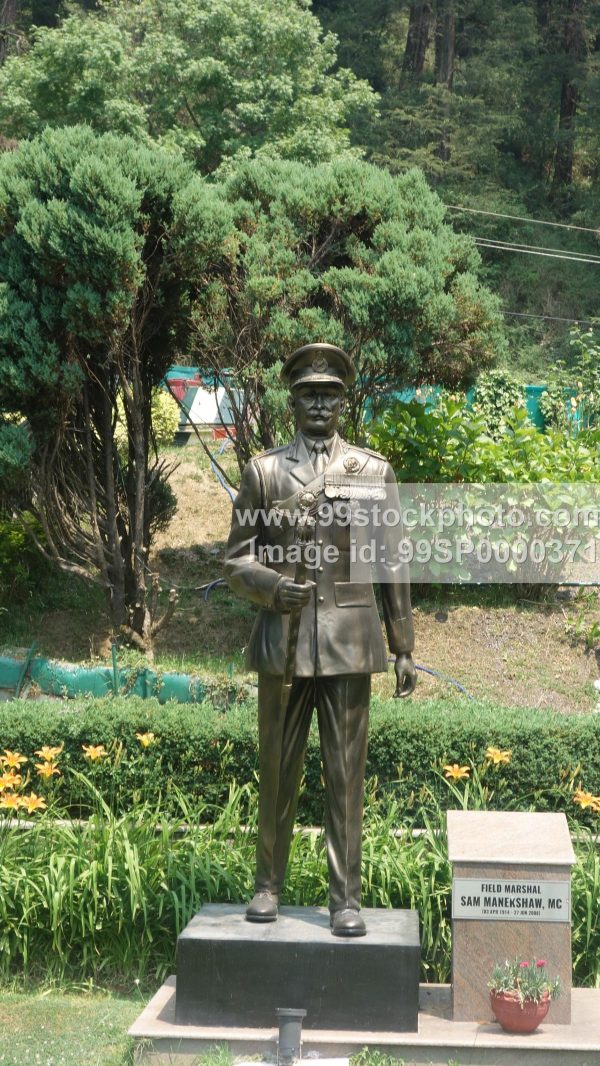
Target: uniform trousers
x,y
342,703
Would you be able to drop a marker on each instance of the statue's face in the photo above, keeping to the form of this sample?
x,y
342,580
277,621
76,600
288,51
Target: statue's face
x,y
317,408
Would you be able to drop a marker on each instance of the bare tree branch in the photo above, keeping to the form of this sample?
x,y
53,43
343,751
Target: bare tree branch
x,y
168,614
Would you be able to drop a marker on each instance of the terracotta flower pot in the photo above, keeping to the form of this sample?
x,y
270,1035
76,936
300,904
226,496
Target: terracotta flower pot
x,y
516,1017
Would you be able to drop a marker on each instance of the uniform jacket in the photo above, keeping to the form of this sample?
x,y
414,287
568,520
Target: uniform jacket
x,y
340,630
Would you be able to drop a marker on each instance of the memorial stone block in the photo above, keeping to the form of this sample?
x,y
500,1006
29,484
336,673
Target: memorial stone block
x,y
511,896
231,972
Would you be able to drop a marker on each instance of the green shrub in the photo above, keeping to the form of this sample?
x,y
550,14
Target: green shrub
x,y
450,443
495,397
22,565
571,400
165,421
200,752
550,754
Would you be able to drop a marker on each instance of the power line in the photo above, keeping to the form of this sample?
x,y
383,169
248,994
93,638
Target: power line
x,y
531,249
524,251
562,252
522,218
552,318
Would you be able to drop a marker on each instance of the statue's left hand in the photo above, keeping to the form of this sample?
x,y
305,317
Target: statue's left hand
x,y
406,675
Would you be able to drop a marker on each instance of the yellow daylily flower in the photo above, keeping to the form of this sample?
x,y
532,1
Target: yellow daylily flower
x,y
93,752
11,802
497,755
455,772
33,803
46,769
13,759
49,754
586,799
10,780
146,739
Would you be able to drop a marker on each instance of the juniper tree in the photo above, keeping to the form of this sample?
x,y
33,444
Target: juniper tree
x,y
101,243
344,253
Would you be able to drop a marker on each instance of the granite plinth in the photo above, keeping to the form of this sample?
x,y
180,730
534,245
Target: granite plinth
x,y
508,848
159,1041
232,972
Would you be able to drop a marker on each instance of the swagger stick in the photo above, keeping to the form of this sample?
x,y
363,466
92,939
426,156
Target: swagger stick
x,y
304,528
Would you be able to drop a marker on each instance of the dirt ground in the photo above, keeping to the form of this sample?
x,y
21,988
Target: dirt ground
x,y
204,507
514,653
519,656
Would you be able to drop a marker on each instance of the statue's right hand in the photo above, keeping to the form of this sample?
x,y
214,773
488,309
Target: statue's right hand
x,y
291,595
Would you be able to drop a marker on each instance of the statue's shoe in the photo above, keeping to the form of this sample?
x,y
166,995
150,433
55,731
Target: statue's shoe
x,y
347,923
263,907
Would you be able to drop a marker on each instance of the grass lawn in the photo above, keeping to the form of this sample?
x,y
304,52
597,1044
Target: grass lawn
x,y
55,1029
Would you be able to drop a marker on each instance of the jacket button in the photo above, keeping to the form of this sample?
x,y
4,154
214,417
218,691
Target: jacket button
x,y
320,541
320,569
321,599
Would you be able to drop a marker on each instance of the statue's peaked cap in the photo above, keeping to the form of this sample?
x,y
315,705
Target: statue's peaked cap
x,y
318,363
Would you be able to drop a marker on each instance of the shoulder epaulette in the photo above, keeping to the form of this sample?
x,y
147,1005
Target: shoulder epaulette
x,y
346,447
376,455
270,451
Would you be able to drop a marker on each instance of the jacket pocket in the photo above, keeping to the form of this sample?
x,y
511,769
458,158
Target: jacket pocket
x,y
353,594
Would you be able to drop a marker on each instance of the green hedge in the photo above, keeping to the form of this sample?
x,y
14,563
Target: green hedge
x,y
201,751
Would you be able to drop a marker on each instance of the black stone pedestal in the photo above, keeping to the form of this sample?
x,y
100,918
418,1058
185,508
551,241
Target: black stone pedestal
x,y
236,973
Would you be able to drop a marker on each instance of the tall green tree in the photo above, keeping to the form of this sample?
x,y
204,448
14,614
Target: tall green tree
x,y
102,244
9,13
499,104
349,254
215,79
417,40
573,32
362,31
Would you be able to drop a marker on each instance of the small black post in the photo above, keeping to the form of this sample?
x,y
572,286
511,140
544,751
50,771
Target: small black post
x,y
290,1035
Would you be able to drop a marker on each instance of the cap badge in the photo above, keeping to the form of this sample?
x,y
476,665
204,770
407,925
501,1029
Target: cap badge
x,y
320,364
351,464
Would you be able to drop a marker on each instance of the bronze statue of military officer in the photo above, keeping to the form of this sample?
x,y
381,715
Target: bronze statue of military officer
x,y
339,642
